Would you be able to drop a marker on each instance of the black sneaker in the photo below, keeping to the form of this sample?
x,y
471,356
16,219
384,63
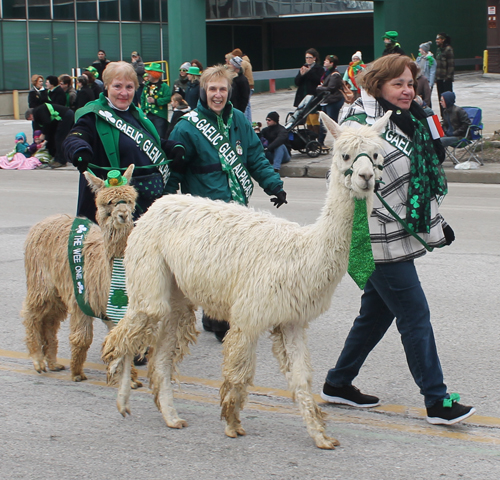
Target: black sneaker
x,y
348,395
449,411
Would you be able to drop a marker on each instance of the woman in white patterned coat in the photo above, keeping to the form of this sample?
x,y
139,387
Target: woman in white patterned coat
x,y
412,180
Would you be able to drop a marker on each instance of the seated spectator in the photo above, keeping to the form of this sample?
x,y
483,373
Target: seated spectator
x,y
54,93
66,84
455,120
85,93
275,140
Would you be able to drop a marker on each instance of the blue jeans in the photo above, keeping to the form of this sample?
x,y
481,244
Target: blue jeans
x,y
278,156
394,291
332,110
448,141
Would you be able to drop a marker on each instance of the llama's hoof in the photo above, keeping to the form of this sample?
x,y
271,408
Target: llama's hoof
x,y
233,432
123,408
177,423
135,384
39,367
56,367
79,378
327,443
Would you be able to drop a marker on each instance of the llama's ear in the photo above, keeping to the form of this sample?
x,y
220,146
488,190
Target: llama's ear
x,y
380,124
128,172
94,182
333,127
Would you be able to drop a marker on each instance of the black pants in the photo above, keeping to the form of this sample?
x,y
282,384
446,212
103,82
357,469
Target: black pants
x,y
58,131
443,86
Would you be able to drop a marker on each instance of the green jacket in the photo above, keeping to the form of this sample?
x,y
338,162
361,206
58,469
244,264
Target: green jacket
x,y
161,93
203,175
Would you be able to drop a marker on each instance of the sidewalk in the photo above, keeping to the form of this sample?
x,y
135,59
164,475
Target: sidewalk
x,y
471,88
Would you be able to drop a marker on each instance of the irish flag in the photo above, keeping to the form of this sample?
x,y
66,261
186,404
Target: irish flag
x,y
435,127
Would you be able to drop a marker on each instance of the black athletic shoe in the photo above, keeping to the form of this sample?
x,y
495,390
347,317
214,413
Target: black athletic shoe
x,y
220,328
449,411
348,395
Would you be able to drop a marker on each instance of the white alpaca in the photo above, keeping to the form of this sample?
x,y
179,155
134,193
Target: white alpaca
x,y
50,292
250,268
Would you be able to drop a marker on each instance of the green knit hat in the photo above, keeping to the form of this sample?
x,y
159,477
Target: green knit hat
x,y
154,67
391,35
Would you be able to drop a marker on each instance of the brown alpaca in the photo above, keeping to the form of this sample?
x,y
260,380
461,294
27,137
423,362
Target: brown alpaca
x,y
50,293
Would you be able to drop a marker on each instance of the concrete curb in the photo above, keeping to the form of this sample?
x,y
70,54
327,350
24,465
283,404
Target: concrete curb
x,y
304,166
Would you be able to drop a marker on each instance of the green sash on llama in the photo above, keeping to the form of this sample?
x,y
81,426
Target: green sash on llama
x,y
239,180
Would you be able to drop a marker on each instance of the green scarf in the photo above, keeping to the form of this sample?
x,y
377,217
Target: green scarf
x,y
427,180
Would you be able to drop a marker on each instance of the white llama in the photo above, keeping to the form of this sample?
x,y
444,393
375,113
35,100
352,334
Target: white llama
x,y
50,292
250,268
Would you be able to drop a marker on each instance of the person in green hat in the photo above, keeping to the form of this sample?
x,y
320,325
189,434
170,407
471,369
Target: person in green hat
x,y
391,43
192,93
155,98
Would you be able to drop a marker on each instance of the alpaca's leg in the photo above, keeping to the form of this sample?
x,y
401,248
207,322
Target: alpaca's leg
x,y
80,338
290,348
123,397
134,379
238,373
175,334
42,318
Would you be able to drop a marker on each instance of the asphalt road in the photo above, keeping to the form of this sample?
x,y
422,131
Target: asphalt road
x,y
52,428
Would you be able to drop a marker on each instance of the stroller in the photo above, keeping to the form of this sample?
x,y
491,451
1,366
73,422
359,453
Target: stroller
x,y
300,137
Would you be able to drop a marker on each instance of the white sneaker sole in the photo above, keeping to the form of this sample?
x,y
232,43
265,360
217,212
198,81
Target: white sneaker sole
x,y
343,401
442,421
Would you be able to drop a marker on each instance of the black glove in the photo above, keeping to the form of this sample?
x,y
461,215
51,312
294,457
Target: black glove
x,y
279,199
81,160
449,234
177,155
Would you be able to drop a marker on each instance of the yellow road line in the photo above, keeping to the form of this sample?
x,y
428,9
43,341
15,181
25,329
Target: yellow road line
x,y
343,415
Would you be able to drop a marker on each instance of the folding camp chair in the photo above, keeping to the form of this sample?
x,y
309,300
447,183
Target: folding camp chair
x,y
470,147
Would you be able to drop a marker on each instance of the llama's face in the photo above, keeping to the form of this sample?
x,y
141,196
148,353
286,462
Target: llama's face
x,y
358,155
115,206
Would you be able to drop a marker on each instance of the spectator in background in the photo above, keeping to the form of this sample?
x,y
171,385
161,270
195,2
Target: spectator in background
x,y
138,65
240,89
391,44
355,66
36,94
155,98
246,67
94,86
180,85
275,140
445,69
95,74
55,122
308,78
85,94
427,63
66,83
54,94
423,90
197,63
455,120
101,63
179,108
192,94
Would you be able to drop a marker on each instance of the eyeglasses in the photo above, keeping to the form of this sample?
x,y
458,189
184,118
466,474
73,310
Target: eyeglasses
x,y
182,70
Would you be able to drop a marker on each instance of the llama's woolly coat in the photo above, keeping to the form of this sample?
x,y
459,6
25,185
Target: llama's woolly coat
x,y
250,268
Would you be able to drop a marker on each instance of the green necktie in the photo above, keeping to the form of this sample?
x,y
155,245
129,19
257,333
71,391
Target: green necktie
x,y
361,263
